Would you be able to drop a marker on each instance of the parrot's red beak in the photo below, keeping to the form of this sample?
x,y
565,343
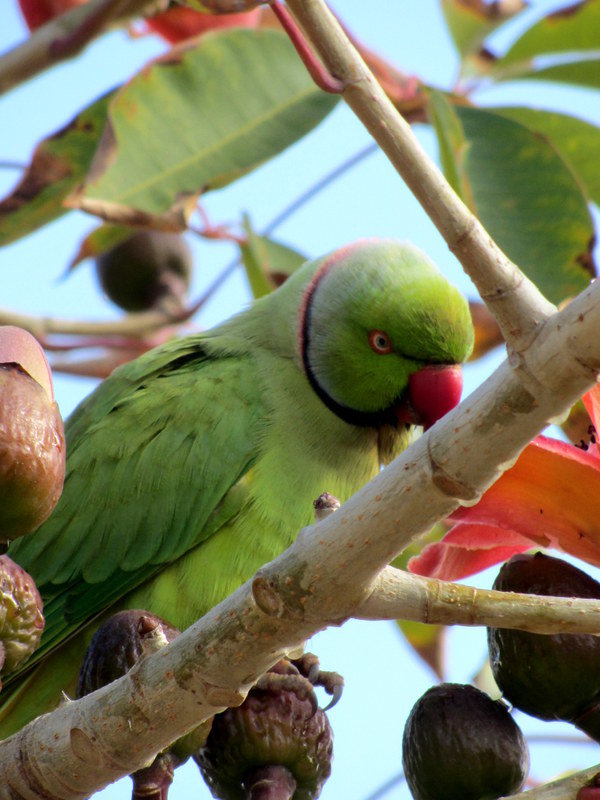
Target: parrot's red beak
x,y
432,392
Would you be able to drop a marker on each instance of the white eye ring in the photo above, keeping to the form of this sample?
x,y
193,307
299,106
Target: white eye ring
x,y
380,342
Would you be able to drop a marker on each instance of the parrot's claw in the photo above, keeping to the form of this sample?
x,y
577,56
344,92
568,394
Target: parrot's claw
x,y
332,682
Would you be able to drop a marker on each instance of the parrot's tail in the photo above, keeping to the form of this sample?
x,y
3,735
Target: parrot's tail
x,y
42,688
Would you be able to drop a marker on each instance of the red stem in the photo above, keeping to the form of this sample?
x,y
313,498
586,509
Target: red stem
x,y
320,75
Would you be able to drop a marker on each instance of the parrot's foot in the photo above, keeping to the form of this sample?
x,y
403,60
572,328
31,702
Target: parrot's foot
x,y
301,675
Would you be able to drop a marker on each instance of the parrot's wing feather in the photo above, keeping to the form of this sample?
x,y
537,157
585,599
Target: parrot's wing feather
x,y
153,456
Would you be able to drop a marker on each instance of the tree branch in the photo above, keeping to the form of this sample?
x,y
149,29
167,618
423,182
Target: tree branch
x,y
401,595
514,300
65,37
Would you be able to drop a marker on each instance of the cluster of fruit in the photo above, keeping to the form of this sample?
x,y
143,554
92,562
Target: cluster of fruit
x,y
458,742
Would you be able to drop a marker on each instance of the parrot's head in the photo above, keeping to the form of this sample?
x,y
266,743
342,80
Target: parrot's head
x,y
382,335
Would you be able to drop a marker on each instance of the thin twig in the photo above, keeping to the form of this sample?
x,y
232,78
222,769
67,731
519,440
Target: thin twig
x,y
65,36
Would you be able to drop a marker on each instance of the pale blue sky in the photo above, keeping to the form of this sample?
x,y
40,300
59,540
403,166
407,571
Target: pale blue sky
x,y
383,678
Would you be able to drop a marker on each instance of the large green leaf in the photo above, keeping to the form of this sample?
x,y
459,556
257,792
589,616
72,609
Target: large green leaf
x,y
469,24
578,142
58,164
573,29
201,117
524,193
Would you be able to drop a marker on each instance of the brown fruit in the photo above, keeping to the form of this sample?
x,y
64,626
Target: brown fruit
x,y
21,617
115,647
32,443
548,676
276,745
118,644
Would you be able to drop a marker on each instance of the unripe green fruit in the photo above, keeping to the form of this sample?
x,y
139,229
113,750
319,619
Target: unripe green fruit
x,y
548,676
21,618
459,743
147,270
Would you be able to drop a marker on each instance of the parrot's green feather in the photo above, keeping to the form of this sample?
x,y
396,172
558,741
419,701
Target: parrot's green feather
x,y
192,466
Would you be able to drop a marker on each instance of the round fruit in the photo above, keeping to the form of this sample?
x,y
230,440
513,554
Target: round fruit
x,y
118,644
459,743
32,443
149,269
548,676
21,618
276,739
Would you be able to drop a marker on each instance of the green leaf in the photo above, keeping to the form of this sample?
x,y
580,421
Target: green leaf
x,y
470,25
451,140
59,163
572,29
201,118
526,196
578,142
98,241
268,263
584,72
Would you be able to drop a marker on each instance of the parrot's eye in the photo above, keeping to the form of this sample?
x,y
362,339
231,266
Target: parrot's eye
x,y
380,342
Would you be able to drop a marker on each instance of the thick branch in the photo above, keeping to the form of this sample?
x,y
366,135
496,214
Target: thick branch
x,y
64,37
327,575
511,296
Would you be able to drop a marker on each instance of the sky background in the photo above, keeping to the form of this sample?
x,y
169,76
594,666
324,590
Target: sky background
x,y
383,677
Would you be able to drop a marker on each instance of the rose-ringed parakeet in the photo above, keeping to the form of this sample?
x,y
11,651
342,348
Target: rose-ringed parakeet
x,y
190,467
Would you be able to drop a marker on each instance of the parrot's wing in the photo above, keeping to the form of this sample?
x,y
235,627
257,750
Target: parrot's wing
x,y
156,462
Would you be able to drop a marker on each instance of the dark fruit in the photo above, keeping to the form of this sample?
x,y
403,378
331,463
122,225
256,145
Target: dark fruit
x,y
21,618
115,647
548,676
118,644
275,746
459,743
149,269
32,443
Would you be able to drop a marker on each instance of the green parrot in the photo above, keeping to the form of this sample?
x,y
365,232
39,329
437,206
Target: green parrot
x,y
190,467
